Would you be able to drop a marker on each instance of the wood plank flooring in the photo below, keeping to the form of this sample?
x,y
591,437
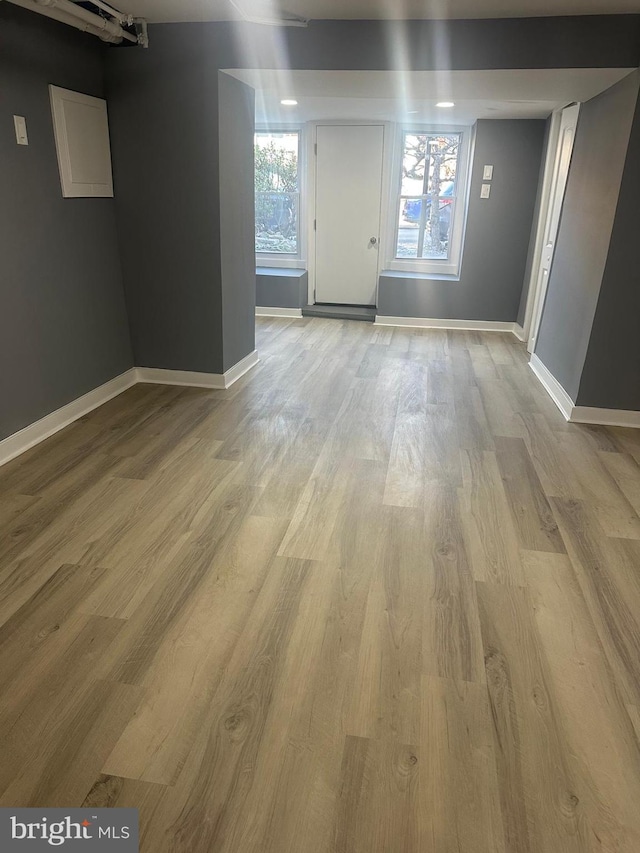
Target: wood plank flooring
x,y
378,597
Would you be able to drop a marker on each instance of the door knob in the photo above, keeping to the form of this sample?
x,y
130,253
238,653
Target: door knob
x,y
373,240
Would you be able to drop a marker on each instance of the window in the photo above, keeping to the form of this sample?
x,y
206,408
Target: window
x,y
430,202
277,193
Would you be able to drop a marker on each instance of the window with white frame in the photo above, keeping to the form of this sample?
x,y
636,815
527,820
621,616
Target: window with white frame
x,y
277,186
430,201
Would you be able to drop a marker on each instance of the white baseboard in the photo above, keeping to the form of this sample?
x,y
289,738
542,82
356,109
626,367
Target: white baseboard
x,y
29,436
278,312
555,390
33,434
243,366
437,323
581,414
605,417
188,378
193,379
518,331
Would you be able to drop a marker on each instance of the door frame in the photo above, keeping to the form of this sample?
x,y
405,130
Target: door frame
x,y
387,164
537,289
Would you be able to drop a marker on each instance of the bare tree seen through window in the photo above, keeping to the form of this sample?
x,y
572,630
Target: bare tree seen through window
x,y
428,195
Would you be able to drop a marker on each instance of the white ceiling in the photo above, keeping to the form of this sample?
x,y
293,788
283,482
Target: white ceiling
x,y
411,96
221,10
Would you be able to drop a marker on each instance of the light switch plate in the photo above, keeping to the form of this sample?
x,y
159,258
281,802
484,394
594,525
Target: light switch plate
x,y
485,192
20,124
487,174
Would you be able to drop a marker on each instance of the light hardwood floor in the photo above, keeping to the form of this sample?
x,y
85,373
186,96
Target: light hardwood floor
x,y
378,597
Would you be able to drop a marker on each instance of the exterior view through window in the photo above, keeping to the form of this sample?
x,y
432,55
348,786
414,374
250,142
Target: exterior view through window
x,y
277,192
427,195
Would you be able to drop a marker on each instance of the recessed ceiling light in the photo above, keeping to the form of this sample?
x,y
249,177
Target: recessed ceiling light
x,y
445,104
289,102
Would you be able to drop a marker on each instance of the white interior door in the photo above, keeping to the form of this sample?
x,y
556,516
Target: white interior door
x,y
564,151
348,198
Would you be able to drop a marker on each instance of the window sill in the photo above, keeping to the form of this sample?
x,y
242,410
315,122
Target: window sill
x,y
281,272
422,276
285,261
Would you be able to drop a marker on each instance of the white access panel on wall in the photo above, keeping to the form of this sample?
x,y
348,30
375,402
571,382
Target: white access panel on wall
x,y
82,141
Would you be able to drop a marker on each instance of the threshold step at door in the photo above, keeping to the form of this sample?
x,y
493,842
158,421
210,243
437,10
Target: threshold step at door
x,y
340,312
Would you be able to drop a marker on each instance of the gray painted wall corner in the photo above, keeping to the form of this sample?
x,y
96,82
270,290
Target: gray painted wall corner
x,y
236,112
532,240
611,374
63,324
163,110
584,236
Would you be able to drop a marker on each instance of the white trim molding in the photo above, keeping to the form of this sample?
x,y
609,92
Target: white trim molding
x,y
187,378
26,438
555,390
581,414
605,417
193,379
519,332
240,368
278,312
437,323
545,196
33,434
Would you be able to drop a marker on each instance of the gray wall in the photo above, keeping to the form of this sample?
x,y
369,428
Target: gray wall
x,y
164,118
532,241
606,41
63,327
497,234
163,108
281,288
63,324
584,235
183,170
236,112
611,374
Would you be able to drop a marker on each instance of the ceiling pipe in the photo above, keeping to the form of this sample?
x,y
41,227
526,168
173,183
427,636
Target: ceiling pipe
x,y
120,17
67,13
126,19
95,21
142,31
70,20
